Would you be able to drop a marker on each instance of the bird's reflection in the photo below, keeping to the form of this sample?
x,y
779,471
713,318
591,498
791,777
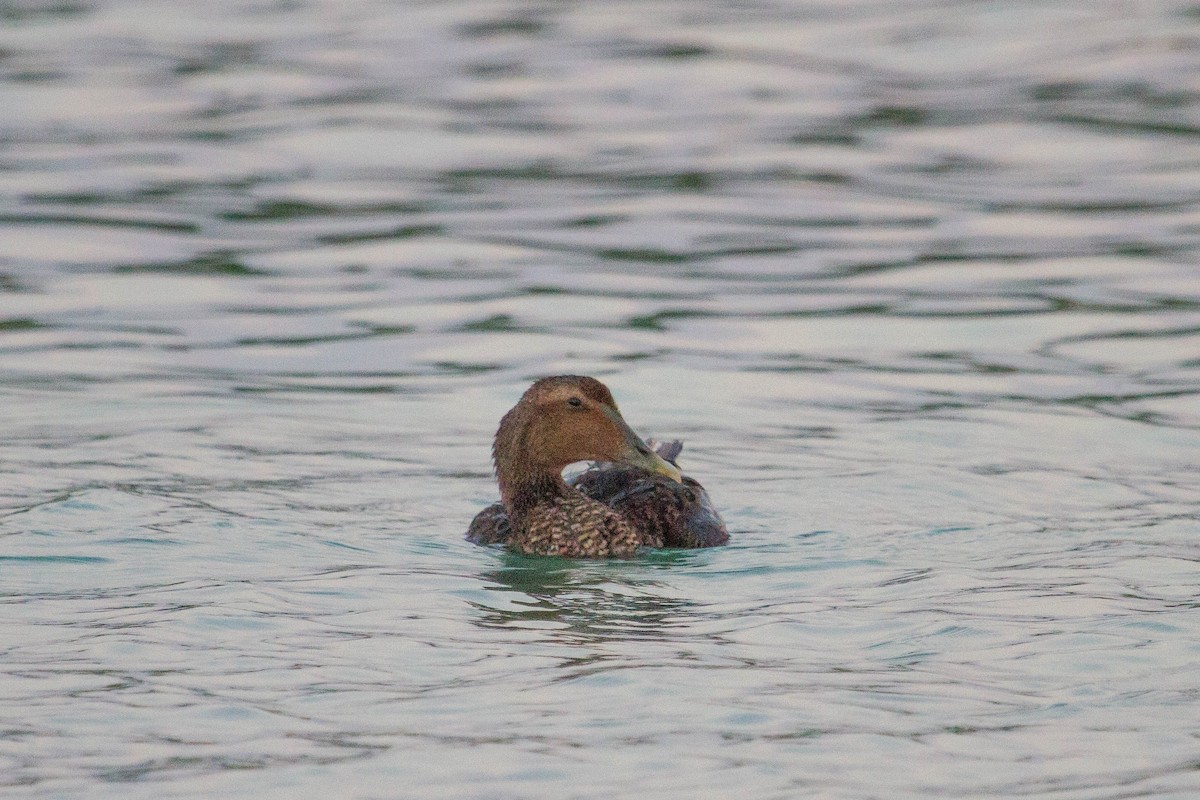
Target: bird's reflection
x,y
590,601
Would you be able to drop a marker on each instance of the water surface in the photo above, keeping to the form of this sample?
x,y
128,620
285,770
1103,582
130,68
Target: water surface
x,y
917,283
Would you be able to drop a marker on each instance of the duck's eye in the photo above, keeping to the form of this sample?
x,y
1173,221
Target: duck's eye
x,y
575,401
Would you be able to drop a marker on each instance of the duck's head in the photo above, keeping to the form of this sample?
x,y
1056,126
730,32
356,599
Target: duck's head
x,y
559,421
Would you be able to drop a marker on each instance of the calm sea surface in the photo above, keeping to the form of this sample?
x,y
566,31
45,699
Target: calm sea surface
x,y
917,282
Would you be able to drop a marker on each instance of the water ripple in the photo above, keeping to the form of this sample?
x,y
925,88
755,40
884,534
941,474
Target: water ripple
x,y
915,281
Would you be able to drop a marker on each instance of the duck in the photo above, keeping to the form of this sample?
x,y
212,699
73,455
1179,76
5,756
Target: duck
x,y
633,497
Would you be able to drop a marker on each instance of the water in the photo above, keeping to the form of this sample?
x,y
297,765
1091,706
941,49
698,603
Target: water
x,y
917,283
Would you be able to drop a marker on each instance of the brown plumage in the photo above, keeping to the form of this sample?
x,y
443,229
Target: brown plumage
x,y
677,514
636,499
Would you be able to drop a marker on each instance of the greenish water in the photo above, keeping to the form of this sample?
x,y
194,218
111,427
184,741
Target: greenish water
x,y
916,282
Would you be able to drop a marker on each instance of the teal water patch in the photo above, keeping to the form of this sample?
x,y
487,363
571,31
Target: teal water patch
x,y
57,559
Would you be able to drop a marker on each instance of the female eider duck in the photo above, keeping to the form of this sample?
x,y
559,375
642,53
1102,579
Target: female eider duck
x,y
636,497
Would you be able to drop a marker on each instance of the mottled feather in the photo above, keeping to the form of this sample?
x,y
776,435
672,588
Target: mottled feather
x,y
672,514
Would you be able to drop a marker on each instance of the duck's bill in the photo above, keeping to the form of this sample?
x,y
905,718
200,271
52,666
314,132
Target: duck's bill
x,y
652,462
638,454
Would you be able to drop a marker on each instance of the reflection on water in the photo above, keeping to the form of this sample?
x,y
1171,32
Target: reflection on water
x,y
916,282
584,610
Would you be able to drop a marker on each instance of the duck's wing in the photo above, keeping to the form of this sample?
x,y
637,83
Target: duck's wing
x,y
490,526
669,514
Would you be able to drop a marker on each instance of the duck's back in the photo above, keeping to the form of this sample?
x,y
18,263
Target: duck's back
x,y
667,513
574,526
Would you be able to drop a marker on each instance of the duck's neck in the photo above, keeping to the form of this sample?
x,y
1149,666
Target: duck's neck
x,y
520,494
525,481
